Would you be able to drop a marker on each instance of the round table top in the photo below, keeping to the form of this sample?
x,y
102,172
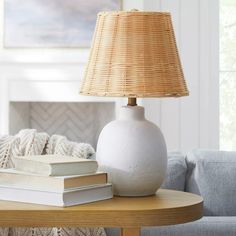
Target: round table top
x,y
165,208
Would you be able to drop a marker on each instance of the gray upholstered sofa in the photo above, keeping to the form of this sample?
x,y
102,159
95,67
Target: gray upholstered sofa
x,y
211,174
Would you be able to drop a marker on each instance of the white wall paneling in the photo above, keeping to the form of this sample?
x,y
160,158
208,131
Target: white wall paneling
x,y
213,76
193,121
209,73
190,50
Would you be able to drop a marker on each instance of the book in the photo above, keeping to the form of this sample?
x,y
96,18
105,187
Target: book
x,y
55,165
67,198
15,178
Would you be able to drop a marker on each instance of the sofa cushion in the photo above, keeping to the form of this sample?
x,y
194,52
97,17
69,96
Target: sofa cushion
x,y
207,226
212,174
176,172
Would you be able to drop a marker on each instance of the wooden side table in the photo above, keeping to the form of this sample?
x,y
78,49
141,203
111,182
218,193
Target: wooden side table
x,y
167,207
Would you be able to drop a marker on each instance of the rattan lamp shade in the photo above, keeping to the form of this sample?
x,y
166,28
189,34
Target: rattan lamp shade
x,y
134,54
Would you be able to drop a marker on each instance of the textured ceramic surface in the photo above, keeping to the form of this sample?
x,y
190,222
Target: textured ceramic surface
x,y
133,152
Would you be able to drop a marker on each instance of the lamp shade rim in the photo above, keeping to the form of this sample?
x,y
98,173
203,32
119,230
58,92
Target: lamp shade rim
x,y
132,95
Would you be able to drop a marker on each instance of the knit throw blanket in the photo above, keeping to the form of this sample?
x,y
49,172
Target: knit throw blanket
x,y
30,142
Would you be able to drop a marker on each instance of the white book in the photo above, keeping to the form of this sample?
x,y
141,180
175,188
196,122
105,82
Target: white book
x,y
55,165
67,198
16,178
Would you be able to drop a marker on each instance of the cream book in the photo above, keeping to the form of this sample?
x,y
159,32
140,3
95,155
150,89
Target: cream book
x,y
15,178
67,198
55,165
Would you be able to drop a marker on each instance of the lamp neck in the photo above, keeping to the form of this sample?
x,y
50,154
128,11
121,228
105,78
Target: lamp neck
x,y
131,113
132,102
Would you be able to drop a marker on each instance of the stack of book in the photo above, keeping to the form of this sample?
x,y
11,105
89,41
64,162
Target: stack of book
x,y
54,180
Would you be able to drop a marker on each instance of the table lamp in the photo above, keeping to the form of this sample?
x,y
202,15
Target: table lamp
x,y
133,55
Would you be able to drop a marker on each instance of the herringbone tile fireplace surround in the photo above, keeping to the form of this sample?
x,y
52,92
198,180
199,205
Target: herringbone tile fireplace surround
x,y
78,121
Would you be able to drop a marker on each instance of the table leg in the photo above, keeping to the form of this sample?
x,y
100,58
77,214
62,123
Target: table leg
x,y
130,232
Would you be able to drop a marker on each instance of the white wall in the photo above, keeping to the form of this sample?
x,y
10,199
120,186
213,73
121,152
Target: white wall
x,y
193,121
186,122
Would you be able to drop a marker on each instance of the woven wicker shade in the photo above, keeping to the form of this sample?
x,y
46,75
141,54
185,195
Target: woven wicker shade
x,y
134,54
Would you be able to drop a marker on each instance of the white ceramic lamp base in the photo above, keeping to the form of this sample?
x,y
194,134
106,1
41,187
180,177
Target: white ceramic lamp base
x,y
133,152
